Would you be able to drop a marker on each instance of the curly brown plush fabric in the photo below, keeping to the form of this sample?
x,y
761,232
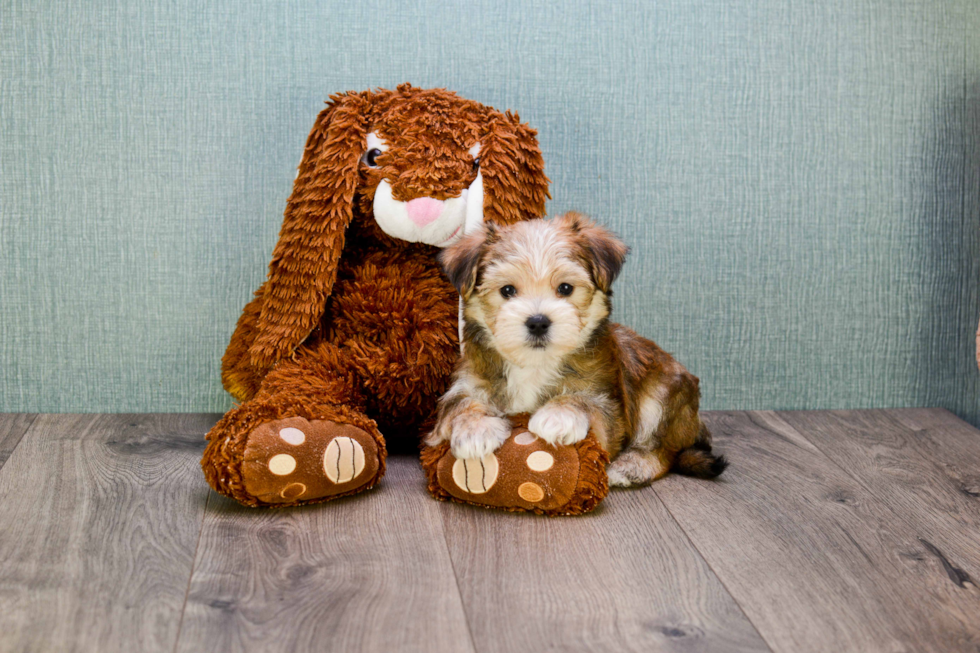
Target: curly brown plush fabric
x,y
354,327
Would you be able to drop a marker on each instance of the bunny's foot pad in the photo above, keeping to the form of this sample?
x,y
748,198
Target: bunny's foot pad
x,y
524,474
295,460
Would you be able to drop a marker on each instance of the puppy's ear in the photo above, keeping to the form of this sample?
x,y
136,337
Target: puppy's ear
x,y
304,262
603,253
515,186
461,261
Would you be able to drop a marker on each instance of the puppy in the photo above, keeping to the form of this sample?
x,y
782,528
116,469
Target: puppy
x,y
537,339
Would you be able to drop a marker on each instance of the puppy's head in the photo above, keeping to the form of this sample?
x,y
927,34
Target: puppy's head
x,y
538,288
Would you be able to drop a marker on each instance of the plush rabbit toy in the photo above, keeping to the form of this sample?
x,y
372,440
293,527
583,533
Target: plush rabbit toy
x,y
354,333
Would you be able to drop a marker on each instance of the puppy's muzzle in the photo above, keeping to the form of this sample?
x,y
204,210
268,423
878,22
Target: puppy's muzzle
x,y
537,328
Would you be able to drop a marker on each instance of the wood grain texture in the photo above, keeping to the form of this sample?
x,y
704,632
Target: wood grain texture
x,y
12,429
930,478
364,573
624,578
100,517
831,531
815,560
959,438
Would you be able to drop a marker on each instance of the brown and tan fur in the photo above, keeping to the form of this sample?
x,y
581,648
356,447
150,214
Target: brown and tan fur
x,y
584,371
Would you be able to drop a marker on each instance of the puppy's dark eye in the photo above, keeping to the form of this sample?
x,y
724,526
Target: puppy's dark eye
x,y
371,158
508,291
565,289
476,164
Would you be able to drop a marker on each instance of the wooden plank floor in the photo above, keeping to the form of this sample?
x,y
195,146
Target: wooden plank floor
x,y
831,531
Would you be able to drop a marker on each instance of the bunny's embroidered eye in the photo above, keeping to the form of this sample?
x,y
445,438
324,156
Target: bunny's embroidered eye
x,y
565,289
508,291
375,148
371,158
475,153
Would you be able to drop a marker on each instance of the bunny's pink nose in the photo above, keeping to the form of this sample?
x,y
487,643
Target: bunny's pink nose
x,y
423,210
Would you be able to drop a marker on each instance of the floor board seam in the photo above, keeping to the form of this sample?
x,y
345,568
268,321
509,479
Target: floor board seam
x,y
190,578
952,572
452,565
713,571
27,429
857,479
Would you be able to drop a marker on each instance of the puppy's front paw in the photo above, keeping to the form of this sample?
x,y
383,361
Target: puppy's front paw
x,y
559,424
477,436
618,478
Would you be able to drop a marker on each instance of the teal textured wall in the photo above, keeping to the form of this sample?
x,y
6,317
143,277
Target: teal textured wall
x,y
800,182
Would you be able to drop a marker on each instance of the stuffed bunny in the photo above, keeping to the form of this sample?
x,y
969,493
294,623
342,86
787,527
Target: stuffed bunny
x,y
354,333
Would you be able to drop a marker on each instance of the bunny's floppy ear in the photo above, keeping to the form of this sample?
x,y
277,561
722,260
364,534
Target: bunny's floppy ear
x,y
304,263
515,186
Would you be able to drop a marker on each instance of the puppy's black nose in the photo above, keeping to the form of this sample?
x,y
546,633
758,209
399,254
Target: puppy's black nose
x,y
538,325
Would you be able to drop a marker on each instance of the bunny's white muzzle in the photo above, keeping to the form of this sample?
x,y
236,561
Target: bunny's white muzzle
x,y
428,220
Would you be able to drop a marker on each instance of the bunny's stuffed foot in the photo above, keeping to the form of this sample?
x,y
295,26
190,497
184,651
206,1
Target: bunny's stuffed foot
x,y
524,474
294,461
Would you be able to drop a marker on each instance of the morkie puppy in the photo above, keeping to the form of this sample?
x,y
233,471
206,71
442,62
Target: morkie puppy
x,y
537,339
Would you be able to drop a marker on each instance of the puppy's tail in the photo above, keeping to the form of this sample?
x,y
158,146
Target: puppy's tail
x,y
697,460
